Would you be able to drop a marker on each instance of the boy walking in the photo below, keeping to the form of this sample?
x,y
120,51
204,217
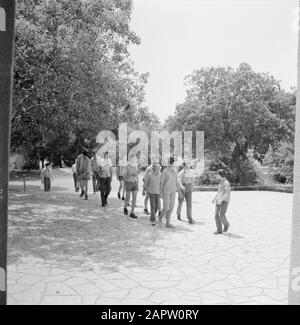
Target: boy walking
x,y
168,188
222,200
185,180
152,186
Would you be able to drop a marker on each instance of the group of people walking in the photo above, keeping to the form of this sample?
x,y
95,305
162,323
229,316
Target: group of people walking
x,y
159,187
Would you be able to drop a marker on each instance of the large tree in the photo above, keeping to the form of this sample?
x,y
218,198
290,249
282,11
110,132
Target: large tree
x,y
238,109
73,73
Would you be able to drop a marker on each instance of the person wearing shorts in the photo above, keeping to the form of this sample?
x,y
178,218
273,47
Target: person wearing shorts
x,y
131,179
120,172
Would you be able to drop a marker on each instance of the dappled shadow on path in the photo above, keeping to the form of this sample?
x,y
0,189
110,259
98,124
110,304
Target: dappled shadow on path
x,y
66,230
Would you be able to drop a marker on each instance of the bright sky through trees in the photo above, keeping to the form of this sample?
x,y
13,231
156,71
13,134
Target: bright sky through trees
x,y
179,36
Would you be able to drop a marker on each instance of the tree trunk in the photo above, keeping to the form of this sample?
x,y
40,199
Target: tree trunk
x,y
7,20
294,284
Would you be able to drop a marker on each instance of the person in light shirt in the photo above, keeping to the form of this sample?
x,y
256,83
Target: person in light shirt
x,y
152,186
169,185
105,177
222,200
95,170
84,171
131,179
186,181
46,177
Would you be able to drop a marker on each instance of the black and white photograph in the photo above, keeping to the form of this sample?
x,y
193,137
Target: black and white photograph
x,y
149,155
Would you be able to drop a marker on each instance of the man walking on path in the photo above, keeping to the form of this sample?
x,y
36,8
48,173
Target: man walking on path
x,y
186,181
105,177
131,185
95,170
169,185
222,200
152,186
84,171
46,177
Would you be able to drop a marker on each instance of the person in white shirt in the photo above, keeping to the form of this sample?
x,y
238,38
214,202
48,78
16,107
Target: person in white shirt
x,y
105,177
222,200
186,181
84,172
46,177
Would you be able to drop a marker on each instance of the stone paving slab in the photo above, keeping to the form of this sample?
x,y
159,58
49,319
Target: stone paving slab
x,y
65,250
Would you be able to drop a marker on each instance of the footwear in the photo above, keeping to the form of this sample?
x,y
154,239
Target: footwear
x,y
119,196
191,221
103,205
86,197
125,211
123,198
178,217
217,233
226,227
153,223
168,225
159,221
82,194
133,216
146,212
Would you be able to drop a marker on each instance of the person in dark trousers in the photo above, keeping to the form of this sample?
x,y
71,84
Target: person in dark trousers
x,y
185,180
84,171
95,170
169,185
131,185
222,200
152,186
46,177
105,178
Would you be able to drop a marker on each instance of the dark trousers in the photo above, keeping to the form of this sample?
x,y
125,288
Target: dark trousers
x,y
187,196
105,188
154,205
47,184
220,216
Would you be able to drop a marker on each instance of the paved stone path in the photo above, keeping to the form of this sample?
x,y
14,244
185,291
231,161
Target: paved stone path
x,y
64,250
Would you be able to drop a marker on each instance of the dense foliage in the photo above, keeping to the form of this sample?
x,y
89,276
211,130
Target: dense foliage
x,y
73,75
240,111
